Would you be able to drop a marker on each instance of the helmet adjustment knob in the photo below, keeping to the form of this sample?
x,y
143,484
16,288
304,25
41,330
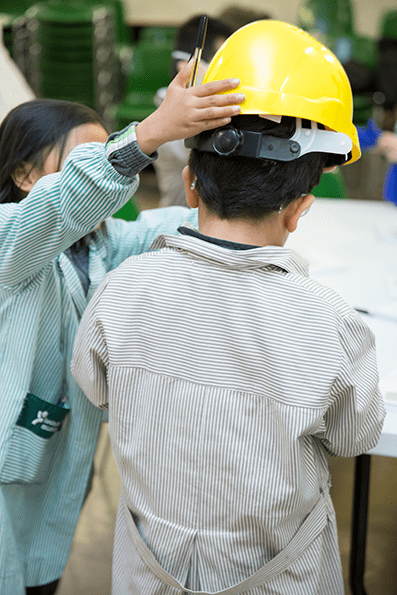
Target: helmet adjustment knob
x,y
226,141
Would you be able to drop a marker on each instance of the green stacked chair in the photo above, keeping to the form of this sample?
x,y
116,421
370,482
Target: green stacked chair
x,y
332,22
147,68
326,17
361,65
9,12
331,185
388,26
128,212
66,50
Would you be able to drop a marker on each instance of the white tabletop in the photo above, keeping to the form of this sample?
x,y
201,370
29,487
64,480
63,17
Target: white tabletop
x,y
351,246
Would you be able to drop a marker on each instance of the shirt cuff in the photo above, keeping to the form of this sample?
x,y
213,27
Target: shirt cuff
x,y
124,154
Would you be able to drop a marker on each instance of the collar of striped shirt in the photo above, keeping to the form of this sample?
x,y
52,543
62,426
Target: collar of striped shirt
x,y
190,231
224,252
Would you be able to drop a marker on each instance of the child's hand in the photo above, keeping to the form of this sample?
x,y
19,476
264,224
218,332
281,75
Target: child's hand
x,y
187,112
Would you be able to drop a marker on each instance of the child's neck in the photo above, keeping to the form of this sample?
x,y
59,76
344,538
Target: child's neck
x,y
268,232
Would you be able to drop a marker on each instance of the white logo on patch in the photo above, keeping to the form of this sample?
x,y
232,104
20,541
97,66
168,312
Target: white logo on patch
x,y
46,424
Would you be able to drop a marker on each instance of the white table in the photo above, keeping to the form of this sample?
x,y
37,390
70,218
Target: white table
x,y
351,246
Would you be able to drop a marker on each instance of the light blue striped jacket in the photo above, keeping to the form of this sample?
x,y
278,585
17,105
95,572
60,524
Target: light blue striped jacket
x,y
44,465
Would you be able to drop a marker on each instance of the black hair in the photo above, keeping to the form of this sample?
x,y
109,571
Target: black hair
x,y
30,131
186,36
249,188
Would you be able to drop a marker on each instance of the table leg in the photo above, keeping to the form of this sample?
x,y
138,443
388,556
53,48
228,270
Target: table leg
x,y
359,524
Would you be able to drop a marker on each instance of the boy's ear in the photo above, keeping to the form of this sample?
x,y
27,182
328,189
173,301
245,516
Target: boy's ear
x,y
25,177
296,210
192,198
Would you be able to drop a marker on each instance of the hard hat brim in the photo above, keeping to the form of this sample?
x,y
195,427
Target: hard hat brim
x,y
324,111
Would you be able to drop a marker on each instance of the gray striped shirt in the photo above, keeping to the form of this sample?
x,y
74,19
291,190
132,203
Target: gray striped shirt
x,y
229,375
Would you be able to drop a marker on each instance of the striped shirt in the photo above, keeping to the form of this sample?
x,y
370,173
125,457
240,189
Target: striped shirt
x,y
48,429
229,376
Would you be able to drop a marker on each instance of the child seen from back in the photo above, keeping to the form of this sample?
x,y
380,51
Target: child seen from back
x,y
228,373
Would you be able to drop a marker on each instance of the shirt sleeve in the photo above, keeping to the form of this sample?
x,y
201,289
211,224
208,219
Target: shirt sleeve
x,y
90,357
355,417
123,152
63,207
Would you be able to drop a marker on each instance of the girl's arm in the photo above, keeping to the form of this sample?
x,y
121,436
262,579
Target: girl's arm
x,y
96,181
60,209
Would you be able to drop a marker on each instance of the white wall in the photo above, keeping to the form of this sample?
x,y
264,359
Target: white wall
x,y
367,12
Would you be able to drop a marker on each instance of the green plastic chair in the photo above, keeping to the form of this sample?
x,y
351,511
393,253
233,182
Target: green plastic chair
x,y
358,51
147,70
67,49
327,17
134,108
128,212
10,11
388,26
332,22
331,185
150,68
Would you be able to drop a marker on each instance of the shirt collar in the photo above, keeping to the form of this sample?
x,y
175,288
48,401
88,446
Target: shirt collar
x,y
231,254
190,231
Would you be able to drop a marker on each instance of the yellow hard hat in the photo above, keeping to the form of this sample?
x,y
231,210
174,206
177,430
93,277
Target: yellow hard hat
x,y
283,71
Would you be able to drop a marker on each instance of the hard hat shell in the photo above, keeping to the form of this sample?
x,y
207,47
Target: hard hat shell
x,y
284,71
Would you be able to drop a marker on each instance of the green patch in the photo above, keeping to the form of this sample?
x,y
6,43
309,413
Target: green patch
x,y
40,417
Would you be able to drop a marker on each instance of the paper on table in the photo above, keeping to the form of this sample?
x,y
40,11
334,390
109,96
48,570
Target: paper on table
x,y
388,388
387,311
321,262
391,286
386,231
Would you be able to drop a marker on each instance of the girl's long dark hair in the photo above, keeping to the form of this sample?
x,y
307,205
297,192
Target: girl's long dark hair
x,y
30,131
